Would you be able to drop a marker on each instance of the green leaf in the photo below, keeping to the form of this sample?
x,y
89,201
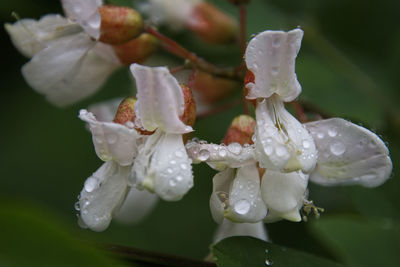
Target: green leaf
x,y
33,237
359,242
248,251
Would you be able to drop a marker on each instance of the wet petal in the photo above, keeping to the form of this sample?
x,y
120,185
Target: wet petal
x,y
245,203
160,99
67,71
106,110
85,13
270,56
348,154
137,205
282,142
220,157
228,228
219,198
30,36
102,195
283,193
164,167
112,141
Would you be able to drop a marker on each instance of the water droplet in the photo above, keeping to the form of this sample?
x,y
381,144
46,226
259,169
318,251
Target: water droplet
x,y
204,154
222,152
169,170
179,178
266,250
306,144
281,151
235,148
320,135
172,183
82,112
276,42
269,150
95,22
179,154
372,144
338,148
254,138
268,262
129,124
332,132
91,184
268,140
188,129
242,206
184,166
112,138
76,206
173,162
98,139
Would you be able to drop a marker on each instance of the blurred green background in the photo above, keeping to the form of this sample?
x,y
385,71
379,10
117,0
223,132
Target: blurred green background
x,y
348,66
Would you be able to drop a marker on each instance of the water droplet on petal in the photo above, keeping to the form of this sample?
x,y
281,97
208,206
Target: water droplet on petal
x,y
179,178
172,183
332,132
222,152
281,151
76,206
338,148
204,154
306,144
112,138
98,139
184,166
269,150
320,135
179,154
268,262
90,184
235,148
242,206
169,170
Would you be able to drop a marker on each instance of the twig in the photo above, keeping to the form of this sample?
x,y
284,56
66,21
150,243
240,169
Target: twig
x,y
219,109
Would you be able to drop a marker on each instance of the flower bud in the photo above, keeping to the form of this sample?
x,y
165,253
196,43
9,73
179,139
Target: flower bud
x,y
211,88
189,115
136,50
119,24
211,24
126,114
240,131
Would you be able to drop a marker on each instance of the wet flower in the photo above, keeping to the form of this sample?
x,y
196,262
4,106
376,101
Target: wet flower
x,y
162,165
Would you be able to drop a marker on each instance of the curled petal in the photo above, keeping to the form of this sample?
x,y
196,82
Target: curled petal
x,y
163,166
137,205
86,13
160,99
348,154
282,142
30,36
106,110
102,195
219,198
283,193
67,71
112,141
270,56
228,229
220,157
245,203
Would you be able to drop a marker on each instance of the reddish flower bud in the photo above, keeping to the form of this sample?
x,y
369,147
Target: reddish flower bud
x,y
126,114
119,24
136,50
212,25
249,78
189,115
211,88
240,131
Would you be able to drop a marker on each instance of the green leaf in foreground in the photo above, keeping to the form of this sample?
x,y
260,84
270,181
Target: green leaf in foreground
x,y
359,242
248,251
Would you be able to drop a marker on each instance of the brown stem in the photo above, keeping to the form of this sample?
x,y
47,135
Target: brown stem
x,y
134,255
242,23
300,111
196,61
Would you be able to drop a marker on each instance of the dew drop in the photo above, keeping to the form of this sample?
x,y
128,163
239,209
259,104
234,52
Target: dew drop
x,y
222,152
338,148
169,170
76,206
112,138
90,184
95,22
98,139
179,178
269,150
173,162
235,148
281,151
172,183
242,206
204,154
332,132
184,166
129,124
179,154
276,42
320,135
268,262
306,144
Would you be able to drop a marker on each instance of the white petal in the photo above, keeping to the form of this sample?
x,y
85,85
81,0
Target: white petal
x,y
271,57
245,203
219,198
30,36
220,157
163,166
348,154
160,99
103,194
85,13
283,193
67,71
282,142
136,206
112,141
166,12
228,229
106,110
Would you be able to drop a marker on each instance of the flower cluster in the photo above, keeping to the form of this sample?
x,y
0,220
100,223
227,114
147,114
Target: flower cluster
x,y
264,164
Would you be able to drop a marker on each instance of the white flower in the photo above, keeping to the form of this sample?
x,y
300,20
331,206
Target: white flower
x,y
67,64
228,229
162,165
